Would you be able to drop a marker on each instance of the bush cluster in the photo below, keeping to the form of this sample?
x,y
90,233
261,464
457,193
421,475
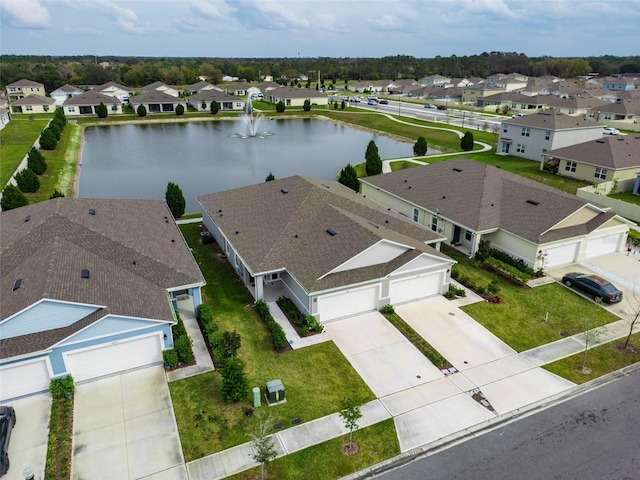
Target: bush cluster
x,y
182,344
454,292
507,270
388,309
305,323
62,387
278,338
514,262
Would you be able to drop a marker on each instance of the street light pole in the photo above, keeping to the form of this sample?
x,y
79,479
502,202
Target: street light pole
x,y
398,104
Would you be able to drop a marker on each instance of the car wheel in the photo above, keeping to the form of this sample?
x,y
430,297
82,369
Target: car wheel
x,y
567,283
597,299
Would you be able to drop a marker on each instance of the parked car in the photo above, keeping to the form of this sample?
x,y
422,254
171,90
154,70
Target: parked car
x,y
517,115
593,285
442,107
7,422
429,105
383,102
611,131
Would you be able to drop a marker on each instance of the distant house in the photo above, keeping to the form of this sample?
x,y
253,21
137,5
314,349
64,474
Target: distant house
x,y
86,103
65,92
115,90
33,104
621,114
5,112
295,97
22,88
239,89
532,135
199,87
469,201
472,93
362,86
328,249
160,87
575,104
434,81
89,288
606,159
265,86
618,84
201,101
229,78
157,102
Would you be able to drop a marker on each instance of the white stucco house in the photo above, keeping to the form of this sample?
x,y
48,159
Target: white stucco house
x,y
60,95
33,104
157,102
201,101
328,249
87,102
113,89
295,97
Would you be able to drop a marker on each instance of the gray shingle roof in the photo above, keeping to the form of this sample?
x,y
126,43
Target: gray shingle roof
x,y
155,96
551,120
61,238
272,230
218,96
613,152
91,98
482,197
25,83
34,99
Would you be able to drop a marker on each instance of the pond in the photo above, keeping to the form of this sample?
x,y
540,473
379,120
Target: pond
x,y
138,160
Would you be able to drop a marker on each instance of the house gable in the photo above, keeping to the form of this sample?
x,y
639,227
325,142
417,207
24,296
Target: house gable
x,y
382,252
579,217
424,262
111,325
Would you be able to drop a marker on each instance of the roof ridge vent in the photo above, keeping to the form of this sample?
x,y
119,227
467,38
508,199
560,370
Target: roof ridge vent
x,y
533,202
16,285
331,232
84,273
92,211
456,169
284,191
599,141
27,218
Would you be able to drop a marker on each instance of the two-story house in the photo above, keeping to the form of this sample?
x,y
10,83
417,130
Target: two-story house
x,y
24,87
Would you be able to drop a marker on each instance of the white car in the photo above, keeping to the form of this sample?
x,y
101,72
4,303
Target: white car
x,y
610,131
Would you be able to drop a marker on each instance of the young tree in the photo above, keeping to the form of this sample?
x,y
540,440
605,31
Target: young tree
x,y
349,178
142,111
632,316
343,105
56,129
262,444
101,110
48,140
350,413
591,336
280,107
56,194
235,384
466,142
12,198
175,199
230,344
36,161
420,147
307,105
215,107
27,180
271,177
373,163
179,110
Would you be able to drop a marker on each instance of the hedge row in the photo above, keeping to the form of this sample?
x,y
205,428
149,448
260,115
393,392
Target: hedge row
x,y
278,337
305,323
182,346
507,270
516,263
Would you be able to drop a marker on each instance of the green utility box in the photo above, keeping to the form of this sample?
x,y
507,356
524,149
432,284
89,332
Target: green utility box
x,y
275,391
256,397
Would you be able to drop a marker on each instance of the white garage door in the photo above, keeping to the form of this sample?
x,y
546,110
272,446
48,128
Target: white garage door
x,y
24,378
602,245
347,303
413,288
114,357
561,255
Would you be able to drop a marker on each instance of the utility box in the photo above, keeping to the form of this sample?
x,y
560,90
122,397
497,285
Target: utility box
x,y
256,397
275,392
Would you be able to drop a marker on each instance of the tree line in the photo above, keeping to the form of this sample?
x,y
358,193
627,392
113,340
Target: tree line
x,y
54,71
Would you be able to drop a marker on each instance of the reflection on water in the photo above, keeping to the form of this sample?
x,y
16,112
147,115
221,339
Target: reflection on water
x,y
137,161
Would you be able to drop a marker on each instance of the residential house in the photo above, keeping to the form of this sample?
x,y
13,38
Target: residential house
x,y
265,86
160,87
328,249
579,105
115,90
24,87
87,102
361,86
472,93
603,160
295,97
64,92
5,112
227,78
199,87
469,201
434,81
157,102
89,288
531,135
624,114
33,104
239,89
618,84
201,101
526,104
385,86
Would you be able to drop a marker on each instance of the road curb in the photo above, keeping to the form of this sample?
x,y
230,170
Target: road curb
x,y
491,424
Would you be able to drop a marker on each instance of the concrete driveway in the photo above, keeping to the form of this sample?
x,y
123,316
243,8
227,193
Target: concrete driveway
x,y
622,270
124,428
28,446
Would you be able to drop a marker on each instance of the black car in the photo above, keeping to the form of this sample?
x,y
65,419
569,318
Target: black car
x,y
7,421
383,102
593,285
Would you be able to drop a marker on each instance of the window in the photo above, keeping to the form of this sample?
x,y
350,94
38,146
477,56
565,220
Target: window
x,y
520,148
608,116
526,131
601,173
547,135
434,224
570,167
416,214
504,128
467,236
572,111
45,108
71,109
28,108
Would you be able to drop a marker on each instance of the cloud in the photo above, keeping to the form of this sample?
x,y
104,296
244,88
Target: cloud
x,y
26,13
211,10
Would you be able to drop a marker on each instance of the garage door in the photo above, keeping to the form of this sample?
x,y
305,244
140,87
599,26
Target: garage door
x,y
24,378
347,303
114,357
413,288
561,255
602,245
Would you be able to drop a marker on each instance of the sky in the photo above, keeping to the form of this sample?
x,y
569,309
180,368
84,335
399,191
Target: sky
x,y
319,28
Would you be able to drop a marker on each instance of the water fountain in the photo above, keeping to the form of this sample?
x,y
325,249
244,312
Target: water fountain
x,y
251,122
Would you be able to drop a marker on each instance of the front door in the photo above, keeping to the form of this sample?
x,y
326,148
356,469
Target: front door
x,y
456,235
505,147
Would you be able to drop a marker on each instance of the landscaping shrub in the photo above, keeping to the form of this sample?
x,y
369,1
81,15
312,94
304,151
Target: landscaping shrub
x,y
48,140
56,194
235,384
633,237
204,315
36,161
507,270
179,110
170,357
493,287
56,130
388,309
514,262
178,329
210,327
27,180
61,387
278,337
12,198
184,348
450,294
230,344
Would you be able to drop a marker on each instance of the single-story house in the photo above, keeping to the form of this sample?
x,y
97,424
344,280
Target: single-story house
x,y
239,89
435,81
532,135
295,97
64,92
575,104
265,86
618,84
201,101
157,102
24,87
89,288
5,117
603,160
623,113
331,251
160,87
86,103
199,87
116,90
33,104
470,201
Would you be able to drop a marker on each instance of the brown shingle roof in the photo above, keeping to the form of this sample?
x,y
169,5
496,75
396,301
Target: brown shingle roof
x,y
25,83
155,96
614,152
91,98
34,99
551,120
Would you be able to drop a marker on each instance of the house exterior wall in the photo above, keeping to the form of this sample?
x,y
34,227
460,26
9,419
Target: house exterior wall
x,y
14,93
29,109
74,110
515,246
532,143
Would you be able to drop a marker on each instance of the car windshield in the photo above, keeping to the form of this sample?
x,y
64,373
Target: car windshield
x,y
608,288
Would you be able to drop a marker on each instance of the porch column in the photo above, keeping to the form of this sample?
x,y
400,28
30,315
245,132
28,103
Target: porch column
x,y
475,241
259,287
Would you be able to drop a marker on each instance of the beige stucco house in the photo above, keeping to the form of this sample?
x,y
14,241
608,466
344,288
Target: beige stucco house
x,y
33,104
86,103
160,87
157,102
201,101
295,97
24,87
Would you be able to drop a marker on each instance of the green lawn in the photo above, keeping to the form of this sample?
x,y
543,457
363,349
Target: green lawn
x,y
16,138
626,197
325,461
316,378
519,319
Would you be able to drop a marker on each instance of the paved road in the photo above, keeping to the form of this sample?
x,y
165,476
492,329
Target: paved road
x,y
595,436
